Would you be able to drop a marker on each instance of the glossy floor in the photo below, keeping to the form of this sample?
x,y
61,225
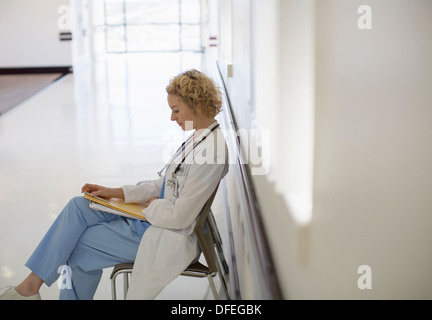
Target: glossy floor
x,y
107,124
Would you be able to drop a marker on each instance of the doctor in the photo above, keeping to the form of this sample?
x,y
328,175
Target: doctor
x,y
82,241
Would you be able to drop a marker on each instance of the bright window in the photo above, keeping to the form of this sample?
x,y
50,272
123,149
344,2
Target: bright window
x,y
152,25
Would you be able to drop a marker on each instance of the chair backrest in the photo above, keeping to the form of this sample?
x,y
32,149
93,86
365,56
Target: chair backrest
x,y
204,235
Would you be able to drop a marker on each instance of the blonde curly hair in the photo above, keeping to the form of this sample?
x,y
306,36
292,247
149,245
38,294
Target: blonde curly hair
x,y
197,91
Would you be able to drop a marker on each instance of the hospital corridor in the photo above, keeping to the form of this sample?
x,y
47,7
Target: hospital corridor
x,y
326,113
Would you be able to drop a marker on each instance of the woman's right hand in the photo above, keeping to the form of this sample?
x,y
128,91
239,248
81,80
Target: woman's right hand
x,y
99,191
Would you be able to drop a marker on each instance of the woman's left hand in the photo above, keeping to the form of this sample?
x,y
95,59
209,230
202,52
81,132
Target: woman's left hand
x,y
104,192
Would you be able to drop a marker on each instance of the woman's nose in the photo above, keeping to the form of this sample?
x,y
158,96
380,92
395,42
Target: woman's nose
x,y
173,117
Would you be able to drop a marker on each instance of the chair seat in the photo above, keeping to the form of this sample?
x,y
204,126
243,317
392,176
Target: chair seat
x,y
196,269
121,267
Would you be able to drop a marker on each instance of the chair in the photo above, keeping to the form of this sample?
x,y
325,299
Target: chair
x,y
210,243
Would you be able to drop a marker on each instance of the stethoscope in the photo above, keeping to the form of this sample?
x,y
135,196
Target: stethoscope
x,y
173,181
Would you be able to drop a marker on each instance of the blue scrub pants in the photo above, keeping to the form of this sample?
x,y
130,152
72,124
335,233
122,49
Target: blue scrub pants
x,y
86,241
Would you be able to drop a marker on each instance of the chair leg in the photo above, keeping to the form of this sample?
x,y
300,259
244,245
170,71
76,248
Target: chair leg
x,y
113,288
223,280
213,287
125,284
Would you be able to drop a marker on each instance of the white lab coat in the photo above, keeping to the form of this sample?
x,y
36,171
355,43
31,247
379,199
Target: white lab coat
x,y
169,244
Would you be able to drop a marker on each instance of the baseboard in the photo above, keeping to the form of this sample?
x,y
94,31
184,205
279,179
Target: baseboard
x,y
37,70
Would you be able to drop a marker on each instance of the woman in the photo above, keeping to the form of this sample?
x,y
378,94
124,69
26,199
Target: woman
x,y
86,240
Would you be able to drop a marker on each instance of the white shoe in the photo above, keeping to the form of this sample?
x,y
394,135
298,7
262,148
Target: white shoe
x,y
9,293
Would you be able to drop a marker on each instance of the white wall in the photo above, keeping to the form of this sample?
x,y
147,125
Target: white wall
x,y
360,103
29,34
373,150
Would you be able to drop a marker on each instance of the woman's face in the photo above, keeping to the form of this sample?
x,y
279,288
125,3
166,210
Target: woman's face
x,y
181,113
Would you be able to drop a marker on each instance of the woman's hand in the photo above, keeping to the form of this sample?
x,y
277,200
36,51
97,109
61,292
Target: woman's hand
x,y
150,201
99,191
